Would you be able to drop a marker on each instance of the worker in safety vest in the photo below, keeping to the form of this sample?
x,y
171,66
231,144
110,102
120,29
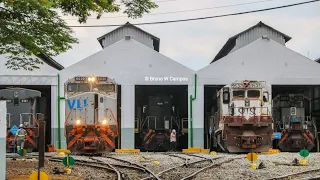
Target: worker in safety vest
x,y
20,137
173,140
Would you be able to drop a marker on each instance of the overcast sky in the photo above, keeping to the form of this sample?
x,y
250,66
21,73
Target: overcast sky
x,y
195,43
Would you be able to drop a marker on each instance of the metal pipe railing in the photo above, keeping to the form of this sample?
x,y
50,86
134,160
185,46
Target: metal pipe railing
x,y
114,117
8,120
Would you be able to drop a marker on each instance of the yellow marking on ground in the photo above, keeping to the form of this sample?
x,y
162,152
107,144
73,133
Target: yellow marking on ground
x,y
127,150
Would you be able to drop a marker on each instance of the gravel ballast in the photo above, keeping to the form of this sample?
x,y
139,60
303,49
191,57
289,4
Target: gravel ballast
x,y
276,165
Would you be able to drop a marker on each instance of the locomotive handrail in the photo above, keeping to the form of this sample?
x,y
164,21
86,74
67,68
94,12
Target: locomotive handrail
x,y
68,116
108,109
30,114
65,130
183,120
136,122
171,118
155,122
8,121
34,120
304,120
165,118
148,119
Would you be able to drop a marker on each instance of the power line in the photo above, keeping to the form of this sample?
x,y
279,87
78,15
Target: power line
x,y
201,18
182,11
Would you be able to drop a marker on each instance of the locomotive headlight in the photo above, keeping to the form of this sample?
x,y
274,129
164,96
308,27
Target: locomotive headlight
x,y
89,79
78,121
104,121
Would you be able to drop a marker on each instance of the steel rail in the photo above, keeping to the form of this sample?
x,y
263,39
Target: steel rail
x,y
112,167
149,171
210,166
293,174
101,163
313,178
186,163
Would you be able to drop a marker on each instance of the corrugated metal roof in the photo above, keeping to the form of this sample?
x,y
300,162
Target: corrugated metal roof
x,y
232,41
128,24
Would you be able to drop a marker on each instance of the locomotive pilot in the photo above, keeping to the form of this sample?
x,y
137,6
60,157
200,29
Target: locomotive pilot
x,y
20,137
173,139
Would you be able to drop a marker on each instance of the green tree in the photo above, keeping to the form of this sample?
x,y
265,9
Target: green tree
x,y
31,27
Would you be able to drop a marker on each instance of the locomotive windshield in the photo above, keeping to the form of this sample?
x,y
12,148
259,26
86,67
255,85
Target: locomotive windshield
x,y
78,87
238,93
105,87
253,93
85,87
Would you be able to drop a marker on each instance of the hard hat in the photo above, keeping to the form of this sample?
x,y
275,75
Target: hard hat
x,y
173,130
95,90
21,125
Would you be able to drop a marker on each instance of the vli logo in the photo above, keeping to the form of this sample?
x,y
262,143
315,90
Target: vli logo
x,y
71,104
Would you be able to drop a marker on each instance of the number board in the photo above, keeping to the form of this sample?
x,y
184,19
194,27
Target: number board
x,y
237,85
293,111
80,78
24,100
284,98
9,100
298,98
255,85
102,78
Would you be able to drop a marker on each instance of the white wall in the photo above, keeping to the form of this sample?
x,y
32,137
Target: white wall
x,y
45,69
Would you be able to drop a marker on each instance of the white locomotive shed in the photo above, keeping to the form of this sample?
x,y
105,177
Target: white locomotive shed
x,y
131,57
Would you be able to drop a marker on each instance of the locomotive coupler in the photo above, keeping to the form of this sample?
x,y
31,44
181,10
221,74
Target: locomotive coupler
x,y
249,142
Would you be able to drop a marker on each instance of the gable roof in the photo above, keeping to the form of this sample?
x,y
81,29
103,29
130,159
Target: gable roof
x,y
130,62
232,41
131,25
50,61
257,60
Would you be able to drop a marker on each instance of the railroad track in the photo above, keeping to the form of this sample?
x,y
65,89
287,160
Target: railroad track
x,y
300,175
123,170
187,169
191,165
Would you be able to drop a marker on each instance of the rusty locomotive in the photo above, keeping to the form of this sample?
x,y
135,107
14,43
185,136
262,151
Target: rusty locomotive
x,y
292,114
91,106
22,108
243,122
